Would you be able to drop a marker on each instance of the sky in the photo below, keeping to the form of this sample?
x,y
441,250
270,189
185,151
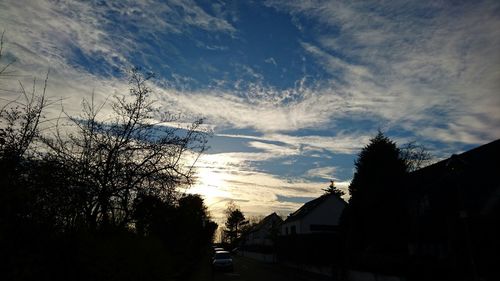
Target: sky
x,y
292,90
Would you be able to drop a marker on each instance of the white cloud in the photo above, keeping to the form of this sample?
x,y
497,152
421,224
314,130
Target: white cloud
x,y
275,150
342,142
194,15
400,66
263,114
336,65
43,35
261,190
339,142
326,173
437,76
399,74
47,33
230,176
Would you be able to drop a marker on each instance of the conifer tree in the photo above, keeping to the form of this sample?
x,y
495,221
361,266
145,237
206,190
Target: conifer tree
x,y
375,217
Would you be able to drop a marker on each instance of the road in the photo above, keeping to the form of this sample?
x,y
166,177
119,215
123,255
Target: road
x,y
246,269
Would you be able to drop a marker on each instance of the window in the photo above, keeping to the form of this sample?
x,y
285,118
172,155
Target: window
x,y
293,230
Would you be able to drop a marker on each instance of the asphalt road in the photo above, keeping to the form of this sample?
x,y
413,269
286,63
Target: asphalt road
x,y
246,269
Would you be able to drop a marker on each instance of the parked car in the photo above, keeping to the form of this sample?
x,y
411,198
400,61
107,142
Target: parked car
x,y
222,260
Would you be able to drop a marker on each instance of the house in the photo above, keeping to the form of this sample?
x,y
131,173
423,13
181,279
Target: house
x,y
310,237
259,241
262,233
320,215
454,213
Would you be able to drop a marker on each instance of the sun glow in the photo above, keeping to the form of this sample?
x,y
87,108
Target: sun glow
x,y
211,184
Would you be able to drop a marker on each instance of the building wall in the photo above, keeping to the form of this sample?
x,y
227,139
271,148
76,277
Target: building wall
x,y
286,228
262,235
259,237
326,214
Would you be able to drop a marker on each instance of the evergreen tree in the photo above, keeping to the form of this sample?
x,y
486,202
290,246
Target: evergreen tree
x,y
235,221
375,217
332,189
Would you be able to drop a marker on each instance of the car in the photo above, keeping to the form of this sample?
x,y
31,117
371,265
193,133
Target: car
x,y
215,250
223,261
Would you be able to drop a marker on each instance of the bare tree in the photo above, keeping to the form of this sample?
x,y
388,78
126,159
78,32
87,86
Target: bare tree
x,y
415,156
3,68
20,117
115,160
20,120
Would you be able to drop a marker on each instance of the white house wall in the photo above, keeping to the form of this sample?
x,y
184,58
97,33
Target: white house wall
x,y
327,213
261,236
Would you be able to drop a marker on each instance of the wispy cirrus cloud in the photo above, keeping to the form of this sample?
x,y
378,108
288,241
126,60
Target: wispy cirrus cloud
x,y
326,173
263,192
399,61
284,144
388,65
103,38
233,176
87,47
421,70
340,142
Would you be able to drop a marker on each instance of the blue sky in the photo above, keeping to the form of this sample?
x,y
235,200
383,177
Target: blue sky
x,y
291,89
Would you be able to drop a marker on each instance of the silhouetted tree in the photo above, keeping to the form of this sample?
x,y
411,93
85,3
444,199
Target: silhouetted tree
x,y
234,222
19,122
3,65
185,226
20,119
194,224
153,216
375,216
126,155
332,189
115,172
415,156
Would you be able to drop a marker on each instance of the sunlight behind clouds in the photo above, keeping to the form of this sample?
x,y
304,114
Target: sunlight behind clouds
x,y
211,184
291,89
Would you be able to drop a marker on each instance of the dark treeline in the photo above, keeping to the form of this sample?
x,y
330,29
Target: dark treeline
x,y
98,196
435,223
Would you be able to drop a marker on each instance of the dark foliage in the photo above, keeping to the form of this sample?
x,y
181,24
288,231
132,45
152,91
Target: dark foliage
x,y
127,156
374,220
235,222
98,201
332,189
312,249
